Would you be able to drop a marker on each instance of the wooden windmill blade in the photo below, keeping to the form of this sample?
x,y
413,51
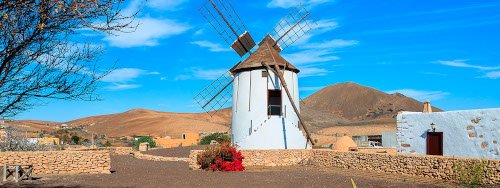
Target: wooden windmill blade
x,y
213,97
292,27
221,15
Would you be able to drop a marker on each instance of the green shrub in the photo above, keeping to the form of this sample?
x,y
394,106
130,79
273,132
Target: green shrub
x,y
107,144
219,137
75,139
470,175
148,139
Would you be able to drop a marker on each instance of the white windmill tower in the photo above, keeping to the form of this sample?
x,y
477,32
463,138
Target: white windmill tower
x,y
265,94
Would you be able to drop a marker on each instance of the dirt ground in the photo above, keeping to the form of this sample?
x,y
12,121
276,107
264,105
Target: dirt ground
x,y
175,152
132,172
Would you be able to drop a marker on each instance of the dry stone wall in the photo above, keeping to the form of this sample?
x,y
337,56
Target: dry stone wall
x,y
417,165
112,150
61,162
264,157
445,168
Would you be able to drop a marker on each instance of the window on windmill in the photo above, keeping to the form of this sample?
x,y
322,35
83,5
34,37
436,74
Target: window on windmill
x,y
264,74
184,136
274,102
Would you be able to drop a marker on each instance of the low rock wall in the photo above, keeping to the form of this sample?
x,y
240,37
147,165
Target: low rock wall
x,y
417,165
61,162
264,157
121,150
112,150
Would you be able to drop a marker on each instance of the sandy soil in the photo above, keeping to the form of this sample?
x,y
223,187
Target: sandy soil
x,y
131,172
174,152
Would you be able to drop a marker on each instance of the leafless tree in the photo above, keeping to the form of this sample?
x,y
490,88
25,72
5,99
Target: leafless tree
x,y
12,140
41,59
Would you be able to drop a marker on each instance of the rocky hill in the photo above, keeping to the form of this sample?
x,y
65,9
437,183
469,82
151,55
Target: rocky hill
x,y
331,110
357,103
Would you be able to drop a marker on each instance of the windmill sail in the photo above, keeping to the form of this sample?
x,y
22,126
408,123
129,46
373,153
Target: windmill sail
x,y
224,19
292,28
213,97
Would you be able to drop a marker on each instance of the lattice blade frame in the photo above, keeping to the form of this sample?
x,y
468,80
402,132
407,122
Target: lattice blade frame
x,y
297,23
213,97
221,15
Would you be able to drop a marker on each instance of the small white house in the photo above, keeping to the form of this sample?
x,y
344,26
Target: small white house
x,y
469,133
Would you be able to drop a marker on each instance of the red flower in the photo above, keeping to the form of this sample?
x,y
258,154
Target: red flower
x,y
221,158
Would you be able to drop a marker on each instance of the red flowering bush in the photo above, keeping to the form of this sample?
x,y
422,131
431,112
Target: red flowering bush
x,y
222,157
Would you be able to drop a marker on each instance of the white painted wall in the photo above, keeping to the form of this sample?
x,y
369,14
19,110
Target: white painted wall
x,y
389,139
252,128
412,128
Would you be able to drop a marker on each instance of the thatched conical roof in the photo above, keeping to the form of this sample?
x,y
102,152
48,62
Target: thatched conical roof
x,y
264,53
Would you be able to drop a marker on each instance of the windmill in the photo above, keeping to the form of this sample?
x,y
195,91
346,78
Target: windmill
x,y
265,93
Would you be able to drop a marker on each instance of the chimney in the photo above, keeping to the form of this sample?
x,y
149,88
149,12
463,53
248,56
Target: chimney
x,y
427,106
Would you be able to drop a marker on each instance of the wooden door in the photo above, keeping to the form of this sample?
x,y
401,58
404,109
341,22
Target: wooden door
x,y
434,143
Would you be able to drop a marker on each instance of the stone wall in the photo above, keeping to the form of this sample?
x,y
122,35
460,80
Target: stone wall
x,y
112,150
121,150
264,157
61,162
417,165
376,150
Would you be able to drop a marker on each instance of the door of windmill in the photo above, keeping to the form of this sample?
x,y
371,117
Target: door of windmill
x,y
434,143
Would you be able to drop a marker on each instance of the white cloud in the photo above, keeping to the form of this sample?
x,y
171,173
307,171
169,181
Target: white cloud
x,y
199,31
421,95
214,47
326,25
121,78
148,33
165,4
136,5
310,56
493,75
322,26
462,63
196,73
336,43
313,53
313,71
126,75
123,86
293,3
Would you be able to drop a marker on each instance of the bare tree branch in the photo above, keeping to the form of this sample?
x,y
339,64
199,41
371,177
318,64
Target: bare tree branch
x,y
38,59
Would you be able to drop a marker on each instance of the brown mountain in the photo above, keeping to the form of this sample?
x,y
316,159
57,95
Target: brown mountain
x,y
357,103
345,108
148,122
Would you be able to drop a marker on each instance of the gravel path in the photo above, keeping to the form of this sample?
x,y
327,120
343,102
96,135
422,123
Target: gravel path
x,y
132,172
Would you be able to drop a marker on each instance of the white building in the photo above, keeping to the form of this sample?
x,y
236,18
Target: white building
x,y
263,117
470,133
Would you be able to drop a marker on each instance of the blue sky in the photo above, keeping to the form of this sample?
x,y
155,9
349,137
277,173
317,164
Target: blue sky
x,y
446,51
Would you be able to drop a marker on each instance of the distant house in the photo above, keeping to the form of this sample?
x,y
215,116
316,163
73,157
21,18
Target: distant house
x,y
64,126
49,141
186,139
469,133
